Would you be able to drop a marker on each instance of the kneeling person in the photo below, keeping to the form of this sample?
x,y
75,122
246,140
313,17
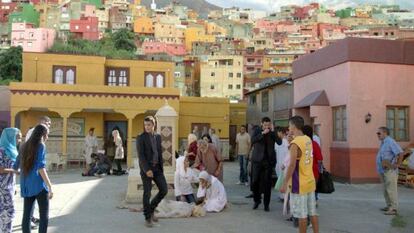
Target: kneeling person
x,y
212,192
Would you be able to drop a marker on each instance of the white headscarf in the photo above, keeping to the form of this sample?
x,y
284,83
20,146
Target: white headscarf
x,y
205,176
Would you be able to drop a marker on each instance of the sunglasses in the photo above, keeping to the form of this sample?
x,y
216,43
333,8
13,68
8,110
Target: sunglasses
x,y
378,133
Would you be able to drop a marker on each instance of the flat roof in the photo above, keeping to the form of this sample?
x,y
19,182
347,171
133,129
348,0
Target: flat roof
x,y
357,50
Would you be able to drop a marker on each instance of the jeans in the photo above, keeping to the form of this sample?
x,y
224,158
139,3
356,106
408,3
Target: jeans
x,y
189,198
159,180
43,203
243,169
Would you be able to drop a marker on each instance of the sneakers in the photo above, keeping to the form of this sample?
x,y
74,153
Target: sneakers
x,y
239,183
148,223
154,219
391,212
246,184
384,209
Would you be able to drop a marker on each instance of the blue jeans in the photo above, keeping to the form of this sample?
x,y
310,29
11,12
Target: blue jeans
x,y
243,169
43,203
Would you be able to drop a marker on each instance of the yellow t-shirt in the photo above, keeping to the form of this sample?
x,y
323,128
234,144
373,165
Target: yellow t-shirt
x,y
303,181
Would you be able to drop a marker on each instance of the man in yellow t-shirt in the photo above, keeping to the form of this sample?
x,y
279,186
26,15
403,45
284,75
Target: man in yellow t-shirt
x,y
299,177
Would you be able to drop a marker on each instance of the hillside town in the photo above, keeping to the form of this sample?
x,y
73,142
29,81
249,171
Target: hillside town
x,y
96,73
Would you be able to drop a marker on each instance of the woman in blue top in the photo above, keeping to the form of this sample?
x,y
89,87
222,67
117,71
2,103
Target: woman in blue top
x,y
34,181
9,139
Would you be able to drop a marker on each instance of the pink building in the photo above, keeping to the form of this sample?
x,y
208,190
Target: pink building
x,y
151,47
288,27
90,11
253,62
349,89
85,28
32,39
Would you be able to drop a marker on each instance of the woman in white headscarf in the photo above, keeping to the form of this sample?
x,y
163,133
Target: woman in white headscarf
x,y
119,151
183,178
213,193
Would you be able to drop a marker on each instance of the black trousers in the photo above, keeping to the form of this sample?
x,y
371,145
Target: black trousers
x,y
160,181
43,201
262,182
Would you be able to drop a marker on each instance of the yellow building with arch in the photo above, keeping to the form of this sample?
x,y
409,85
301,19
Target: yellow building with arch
x,y
82,92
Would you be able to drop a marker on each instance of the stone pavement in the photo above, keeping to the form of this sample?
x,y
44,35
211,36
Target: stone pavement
x,y
88,205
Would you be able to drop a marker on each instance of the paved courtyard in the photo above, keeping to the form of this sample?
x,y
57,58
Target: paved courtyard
x,y
88,205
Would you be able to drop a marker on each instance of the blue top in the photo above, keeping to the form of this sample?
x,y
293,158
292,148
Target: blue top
x,y
389,150
32,184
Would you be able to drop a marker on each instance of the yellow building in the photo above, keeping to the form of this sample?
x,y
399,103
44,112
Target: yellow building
x,y
222,76
143,25
170,33
214,29
196,34
82,92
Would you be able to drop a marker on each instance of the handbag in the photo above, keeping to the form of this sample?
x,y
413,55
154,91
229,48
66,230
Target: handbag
x,y
279,181
325,183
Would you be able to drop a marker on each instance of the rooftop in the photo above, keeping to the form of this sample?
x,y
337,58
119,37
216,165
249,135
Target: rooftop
x,y
357,50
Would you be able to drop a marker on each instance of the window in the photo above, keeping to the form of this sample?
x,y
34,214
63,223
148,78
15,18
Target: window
x,y
230,87
212,74
177,74
340,125
76,27
397,122
117,76
265,101
21,35
238,86
252,99
29,44
212,87
239,75
231,75
64,75
31,34
154,79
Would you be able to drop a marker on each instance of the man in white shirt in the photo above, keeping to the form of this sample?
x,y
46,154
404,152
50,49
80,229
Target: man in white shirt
x,y
44,120
215,139
242,151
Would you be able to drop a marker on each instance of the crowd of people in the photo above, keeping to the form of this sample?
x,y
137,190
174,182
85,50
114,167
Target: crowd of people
x,y
290,155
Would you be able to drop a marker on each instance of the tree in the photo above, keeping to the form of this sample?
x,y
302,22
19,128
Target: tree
x,y
124,39
11,65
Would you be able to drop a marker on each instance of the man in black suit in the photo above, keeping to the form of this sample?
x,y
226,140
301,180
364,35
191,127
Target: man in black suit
x,y
151,166
263,162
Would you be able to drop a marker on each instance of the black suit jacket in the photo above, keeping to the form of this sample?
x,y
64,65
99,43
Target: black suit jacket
x,y
145,152
259,144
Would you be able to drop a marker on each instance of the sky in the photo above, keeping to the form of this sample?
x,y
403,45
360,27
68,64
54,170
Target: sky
x,y
274,5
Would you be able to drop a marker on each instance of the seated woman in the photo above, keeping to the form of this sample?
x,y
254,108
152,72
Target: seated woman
x,y
184,176
212,193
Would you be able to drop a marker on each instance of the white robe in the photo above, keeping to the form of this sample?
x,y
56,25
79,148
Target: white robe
x,y
183,179
91,145
215,196
281,152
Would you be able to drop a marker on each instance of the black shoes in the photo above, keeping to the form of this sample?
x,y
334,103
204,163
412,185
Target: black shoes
x,y
266,209
256,205
249,196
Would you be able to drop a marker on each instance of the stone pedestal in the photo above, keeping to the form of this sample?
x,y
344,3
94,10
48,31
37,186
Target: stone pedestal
x,y
167,127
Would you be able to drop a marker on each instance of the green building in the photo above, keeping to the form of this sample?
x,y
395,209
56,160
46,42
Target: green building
x,y
345,13
25,13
